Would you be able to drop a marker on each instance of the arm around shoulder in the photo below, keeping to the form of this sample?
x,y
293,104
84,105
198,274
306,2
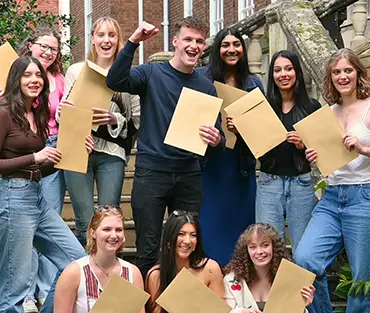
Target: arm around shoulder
x,y
66,289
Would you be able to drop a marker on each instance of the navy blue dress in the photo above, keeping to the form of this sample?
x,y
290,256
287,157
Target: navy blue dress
x,y
229,186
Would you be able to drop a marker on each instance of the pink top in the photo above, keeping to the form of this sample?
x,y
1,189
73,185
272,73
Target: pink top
x,y
54,98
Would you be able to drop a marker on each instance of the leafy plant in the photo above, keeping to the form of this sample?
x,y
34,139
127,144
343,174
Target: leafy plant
x,y
19,18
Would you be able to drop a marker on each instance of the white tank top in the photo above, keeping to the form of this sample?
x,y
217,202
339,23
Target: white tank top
x,y
358,170
90,289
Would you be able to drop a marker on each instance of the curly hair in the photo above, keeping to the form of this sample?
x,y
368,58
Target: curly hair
x,y
241,263
192,22
100,213
57,66
331,94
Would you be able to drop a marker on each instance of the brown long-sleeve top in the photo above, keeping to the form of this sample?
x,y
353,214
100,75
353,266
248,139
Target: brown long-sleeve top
x,y
17,146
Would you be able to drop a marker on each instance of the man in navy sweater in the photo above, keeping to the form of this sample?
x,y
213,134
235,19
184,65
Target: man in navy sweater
x,y
165,176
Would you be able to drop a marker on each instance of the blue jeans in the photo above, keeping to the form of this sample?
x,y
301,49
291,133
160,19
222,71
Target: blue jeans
x,y
25,219
279,198
53,189
109,172
152,192
340,219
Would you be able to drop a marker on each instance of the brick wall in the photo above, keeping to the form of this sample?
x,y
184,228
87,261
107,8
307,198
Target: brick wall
x,y
153,14
176,9
77,10
230,12
51,6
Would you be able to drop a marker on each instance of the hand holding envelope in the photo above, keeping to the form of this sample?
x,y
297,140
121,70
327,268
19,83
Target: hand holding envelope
x,y
120,296
90,90
187,293
257,122
285,294
321,131
194,109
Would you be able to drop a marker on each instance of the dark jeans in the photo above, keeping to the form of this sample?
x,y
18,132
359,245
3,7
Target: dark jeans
x,y
152,192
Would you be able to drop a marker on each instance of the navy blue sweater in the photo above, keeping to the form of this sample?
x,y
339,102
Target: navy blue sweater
x,y
159,86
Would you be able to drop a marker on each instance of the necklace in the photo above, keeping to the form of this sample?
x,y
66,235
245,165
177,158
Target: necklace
x,y
105,272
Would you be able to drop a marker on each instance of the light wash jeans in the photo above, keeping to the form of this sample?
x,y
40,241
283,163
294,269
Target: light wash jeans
x,y
53,189
108,171
25,219
340,219
280,197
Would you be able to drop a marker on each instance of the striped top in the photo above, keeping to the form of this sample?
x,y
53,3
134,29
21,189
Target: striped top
x,y
90,288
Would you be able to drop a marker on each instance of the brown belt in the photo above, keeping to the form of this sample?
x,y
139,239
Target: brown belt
x,y
35,175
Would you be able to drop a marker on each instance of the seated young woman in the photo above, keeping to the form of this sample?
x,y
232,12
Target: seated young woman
x,y
182,247
250,273
82,282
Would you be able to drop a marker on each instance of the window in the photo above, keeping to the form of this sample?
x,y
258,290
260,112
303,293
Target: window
x,y
88,25
216,16
188,8
245,9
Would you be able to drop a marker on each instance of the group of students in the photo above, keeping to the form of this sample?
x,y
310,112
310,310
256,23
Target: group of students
x,y
168,177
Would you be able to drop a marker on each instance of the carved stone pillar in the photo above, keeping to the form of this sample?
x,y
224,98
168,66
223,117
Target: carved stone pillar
x,y
161,57
277,38
255,52
359,19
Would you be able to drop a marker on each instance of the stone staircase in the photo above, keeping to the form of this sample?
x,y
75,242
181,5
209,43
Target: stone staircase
x,y
69,218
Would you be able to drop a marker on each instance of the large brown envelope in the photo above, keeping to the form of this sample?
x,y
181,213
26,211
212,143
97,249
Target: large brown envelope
x,y
7,58
75,125
120,296
257,122
285,295
90,90
193,109
229,94
186,293
322,132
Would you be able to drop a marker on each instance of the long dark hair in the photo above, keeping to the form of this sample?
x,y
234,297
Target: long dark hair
x,y
13,98
217,66
167,256
302,103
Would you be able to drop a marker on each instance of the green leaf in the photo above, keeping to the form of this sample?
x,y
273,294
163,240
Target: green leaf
x,y
322,184
352,289
359,287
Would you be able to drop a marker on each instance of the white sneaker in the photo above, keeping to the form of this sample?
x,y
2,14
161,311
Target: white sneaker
x,y
29,306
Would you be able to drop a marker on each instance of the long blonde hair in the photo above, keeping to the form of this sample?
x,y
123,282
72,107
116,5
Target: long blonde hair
x,y
113,24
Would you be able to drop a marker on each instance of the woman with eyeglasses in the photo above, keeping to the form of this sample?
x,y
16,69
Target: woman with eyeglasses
x,y
82,282
44,44
182,247
26,219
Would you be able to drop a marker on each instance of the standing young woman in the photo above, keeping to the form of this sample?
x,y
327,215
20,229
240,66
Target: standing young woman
x,y
44,45
82,282
25,217
252,270
232,172
285,188
342,217
107,162
182,247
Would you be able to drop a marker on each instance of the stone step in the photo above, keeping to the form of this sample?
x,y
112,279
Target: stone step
x,y
68,214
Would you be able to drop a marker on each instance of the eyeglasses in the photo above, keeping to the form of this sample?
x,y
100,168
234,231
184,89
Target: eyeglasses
x,y
106,208
44,47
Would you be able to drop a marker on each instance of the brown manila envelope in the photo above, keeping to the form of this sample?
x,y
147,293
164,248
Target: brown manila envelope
x,y
322,132
75,125
193,109
7,58
229,94
120,296
187,293
90,90
285,294
257,122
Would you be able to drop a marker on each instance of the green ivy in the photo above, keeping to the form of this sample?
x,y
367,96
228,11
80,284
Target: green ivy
x,y
18,20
